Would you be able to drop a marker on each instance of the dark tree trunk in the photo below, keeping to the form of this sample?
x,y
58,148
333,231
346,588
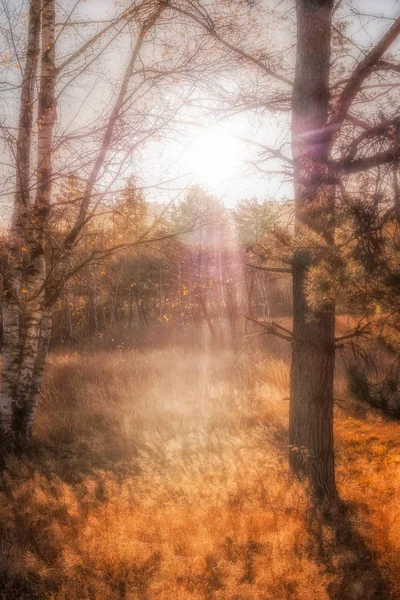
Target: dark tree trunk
x,y
312,373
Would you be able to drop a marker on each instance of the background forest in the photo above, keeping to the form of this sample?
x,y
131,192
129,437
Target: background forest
x,y
190,288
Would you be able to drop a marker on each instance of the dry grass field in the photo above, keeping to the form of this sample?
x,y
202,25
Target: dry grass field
x,y
162,475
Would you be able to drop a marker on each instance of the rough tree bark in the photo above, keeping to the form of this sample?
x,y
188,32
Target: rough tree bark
x,y
312,371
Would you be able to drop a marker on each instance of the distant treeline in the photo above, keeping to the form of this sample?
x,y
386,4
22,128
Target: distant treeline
x,y
195,285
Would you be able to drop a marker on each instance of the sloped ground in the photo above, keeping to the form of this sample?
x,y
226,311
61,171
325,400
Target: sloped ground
x,y
163,476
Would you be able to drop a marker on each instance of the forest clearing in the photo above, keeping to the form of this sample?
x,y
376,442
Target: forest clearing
x,y
199,300
162,475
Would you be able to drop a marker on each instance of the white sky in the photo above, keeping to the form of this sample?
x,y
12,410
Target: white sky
x,y
215,157
230,156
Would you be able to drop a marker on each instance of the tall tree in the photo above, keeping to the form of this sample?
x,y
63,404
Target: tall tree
x,y
327,150
39,264
313,354
318,120
13,277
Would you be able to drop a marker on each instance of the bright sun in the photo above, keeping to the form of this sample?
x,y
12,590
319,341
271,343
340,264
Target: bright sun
x,y
213,158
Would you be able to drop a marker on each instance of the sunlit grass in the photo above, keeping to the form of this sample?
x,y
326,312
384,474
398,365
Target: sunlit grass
x,y
163,475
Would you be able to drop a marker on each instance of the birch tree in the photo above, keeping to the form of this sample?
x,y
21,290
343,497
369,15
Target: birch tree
x,y
39,266
17,238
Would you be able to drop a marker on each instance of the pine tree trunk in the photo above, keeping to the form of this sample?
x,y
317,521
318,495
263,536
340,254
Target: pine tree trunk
x,y
12,300
312,372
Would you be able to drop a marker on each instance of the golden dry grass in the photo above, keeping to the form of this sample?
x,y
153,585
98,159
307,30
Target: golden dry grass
x,y
162,475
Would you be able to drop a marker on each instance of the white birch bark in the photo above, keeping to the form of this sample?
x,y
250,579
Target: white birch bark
x,y
41,355
16,242
25,370
35,287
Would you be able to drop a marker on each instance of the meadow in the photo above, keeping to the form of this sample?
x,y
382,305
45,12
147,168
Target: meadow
x,y
163,474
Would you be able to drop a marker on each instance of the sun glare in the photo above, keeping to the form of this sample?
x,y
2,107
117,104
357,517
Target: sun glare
x,y
213,158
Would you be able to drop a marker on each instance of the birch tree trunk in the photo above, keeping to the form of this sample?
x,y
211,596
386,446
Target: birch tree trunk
x,y
12,301
42,294
36,268
27,317
313,354
41,356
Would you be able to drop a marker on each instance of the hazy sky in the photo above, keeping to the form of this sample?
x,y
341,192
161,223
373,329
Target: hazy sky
x,y
214,157
229,154
236,180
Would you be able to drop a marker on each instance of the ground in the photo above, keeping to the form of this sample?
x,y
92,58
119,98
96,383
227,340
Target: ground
x,y
163,475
